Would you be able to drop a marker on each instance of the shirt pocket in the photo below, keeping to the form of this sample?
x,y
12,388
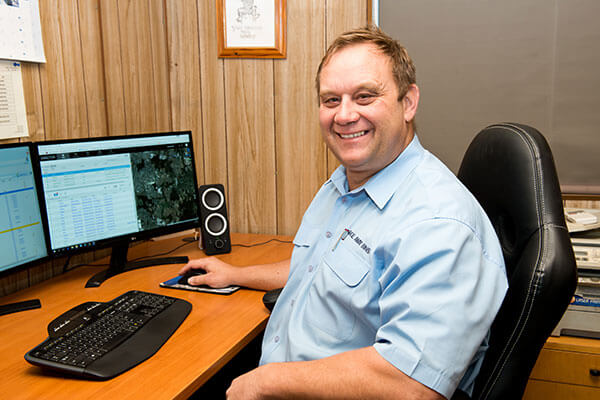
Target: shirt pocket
x,y
338,283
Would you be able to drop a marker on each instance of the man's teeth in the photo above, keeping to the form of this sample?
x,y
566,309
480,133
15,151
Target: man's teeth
x,y
353,135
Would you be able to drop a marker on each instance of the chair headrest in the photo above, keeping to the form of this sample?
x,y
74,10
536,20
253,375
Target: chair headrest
x,y
510,170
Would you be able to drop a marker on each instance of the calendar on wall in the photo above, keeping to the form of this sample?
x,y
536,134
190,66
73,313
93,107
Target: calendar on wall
x,y
13,116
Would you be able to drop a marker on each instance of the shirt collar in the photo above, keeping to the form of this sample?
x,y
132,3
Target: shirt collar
x,y
381,186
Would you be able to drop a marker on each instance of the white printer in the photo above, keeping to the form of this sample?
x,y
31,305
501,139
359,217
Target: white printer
x,y
582,317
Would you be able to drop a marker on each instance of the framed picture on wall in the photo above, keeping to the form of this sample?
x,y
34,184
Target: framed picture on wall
x,y
251,28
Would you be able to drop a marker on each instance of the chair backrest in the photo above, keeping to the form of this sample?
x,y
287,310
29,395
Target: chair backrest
x,y
509,168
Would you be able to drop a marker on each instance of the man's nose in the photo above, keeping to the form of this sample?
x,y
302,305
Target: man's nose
x,y
346,113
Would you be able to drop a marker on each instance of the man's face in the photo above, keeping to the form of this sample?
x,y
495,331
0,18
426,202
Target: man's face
x,y
362,121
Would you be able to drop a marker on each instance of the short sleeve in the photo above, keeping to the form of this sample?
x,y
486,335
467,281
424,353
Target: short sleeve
x,y
440,293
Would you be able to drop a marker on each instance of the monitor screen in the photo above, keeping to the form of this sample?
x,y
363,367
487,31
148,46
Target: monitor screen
x,y
22,240
111,191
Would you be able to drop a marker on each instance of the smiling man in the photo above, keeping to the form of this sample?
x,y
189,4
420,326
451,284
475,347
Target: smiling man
x,y
366,116
396,273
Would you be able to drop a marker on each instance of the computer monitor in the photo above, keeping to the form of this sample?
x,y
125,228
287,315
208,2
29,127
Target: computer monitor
x,y
22,240
112,191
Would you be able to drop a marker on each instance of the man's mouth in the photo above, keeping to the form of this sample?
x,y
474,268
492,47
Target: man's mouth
x,y
352,135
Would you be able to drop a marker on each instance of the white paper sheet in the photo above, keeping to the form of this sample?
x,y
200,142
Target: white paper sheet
x,y
20,31
13,117
250,23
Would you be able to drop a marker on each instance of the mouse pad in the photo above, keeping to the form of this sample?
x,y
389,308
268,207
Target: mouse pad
x,y
173,283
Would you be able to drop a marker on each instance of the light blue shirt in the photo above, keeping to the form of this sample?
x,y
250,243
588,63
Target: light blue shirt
x,y
408,263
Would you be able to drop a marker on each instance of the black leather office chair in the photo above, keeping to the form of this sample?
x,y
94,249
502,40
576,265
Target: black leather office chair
x,y
510,170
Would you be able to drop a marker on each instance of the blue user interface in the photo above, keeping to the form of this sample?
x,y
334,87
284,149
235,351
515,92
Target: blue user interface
x,y
21,229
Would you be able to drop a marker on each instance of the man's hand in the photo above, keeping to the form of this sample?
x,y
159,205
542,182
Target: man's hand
x,y
247,386
219,274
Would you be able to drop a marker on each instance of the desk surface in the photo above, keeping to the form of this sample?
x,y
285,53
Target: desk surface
x,y
217,328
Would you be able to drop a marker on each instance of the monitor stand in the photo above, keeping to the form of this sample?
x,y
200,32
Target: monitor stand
x,y
118,264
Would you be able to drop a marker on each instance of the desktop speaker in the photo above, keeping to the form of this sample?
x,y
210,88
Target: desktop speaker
x,y
213,220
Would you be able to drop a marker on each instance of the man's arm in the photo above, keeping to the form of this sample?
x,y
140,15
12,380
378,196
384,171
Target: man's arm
x,y
356,374
220,274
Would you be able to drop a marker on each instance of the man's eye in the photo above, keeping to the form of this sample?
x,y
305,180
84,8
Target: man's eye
x,y
331,101
364,98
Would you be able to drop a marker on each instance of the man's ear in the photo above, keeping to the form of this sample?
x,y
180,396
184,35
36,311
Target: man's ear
x,y
411,102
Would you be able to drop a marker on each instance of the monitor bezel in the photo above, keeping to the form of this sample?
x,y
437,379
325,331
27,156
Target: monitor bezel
x,y
34,164
128,238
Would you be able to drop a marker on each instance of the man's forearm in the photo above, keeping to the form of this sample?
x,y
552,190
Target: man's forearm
x,y
357,374
264,276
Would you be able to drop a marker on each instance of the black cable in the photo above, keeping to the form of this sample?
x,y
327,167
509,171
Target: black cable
x,y
161,254
260,244
65,267
83,265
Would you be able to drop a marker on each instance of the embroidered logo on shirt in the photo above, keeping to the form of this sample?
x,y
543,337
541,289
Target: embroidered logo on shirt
x,y
349,233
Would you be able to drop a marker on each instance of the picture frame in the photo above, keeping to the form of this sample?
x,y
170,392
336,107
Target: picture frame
x,y
251,28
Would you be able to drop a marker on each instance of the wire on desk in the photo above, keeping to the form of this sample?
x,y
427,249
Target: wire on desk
x,y
66,266
66,269
163,254
260,244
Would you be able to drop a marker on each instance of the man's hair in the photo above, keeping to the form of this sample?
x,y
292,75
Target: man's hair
x,y
403,68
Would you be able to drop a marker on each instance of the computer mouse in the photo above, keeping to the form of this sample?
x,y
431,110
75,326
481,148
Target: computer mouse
x,y
192,272
270,298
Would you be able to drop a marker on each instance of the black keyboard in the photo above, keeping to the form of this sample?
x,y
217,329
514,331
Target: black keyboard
x,y
101,340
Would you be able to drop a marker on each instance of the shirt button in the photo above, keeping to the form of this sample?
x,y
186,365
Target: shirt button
x,y
292,302
276,339
328,234
310,268
344,200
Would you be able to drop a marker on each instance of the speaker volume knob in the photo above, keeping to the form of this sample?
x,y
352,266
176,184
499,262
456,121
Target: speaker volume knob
x,y
219,244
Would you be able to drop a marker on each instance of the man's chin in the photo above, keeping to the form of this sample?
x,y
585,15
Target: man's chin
x,y
356,165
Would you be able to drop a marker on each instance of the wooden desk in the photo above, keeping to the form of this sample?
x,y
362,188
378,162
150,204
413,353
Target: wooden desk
x,y
563,370
216,329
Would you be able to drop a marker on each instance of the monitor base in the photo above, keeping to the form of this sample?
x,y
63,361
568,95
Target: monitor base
x,y
119,264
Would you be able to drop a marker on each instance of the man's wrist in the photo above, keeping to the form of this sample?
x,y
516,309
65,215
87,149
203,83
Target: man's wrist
x,y
268,376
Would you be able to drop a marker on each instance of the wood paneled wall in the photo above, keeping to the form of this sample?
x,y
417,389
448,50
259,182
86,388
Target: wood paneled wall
x,y
136,66
132,66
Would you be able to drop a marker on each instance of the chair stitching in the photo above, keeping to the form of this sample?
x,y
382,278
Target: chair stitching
x,y
540,176
519,328
515,335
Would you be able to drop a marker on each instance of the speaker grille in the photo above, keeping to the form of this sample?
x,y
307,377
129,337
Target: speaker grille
x,y
212,199
215,224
